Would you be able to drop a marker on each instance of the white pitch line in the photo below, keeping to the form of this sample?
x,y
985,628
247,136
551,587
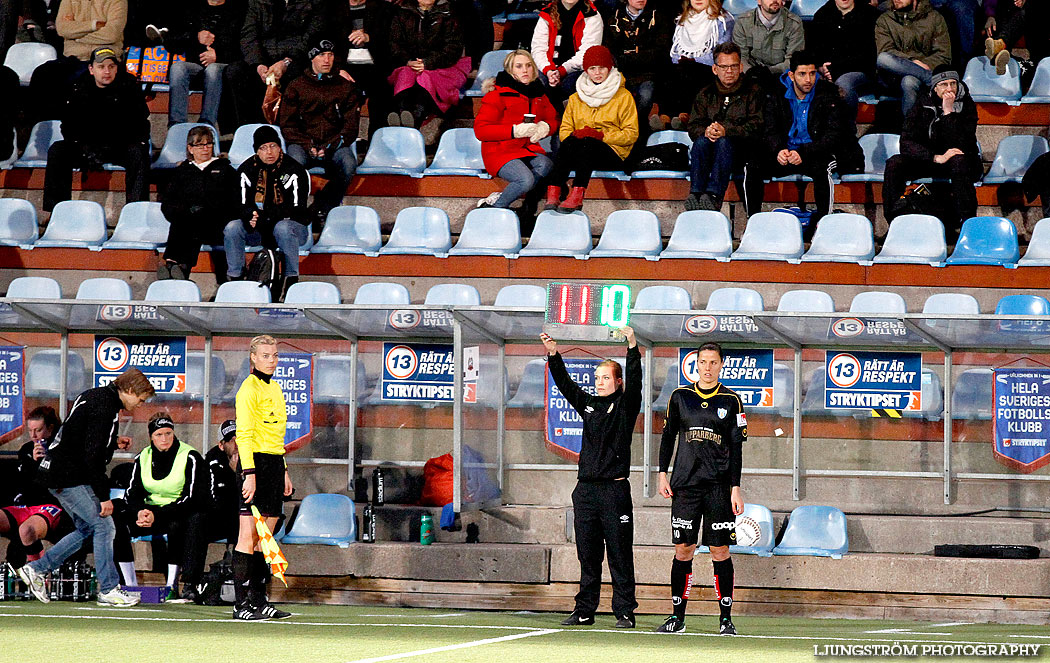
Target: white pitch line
x,y
87,607
908,631
950,624
449,614
462,645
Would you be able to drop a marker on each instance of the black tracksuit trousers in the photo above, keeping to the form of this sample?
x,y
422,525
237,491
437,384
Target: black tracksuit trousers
x,y
603,520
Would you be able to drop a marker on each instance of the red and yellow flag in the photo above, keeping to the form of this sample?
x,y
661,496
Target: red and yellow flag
x,y
274,556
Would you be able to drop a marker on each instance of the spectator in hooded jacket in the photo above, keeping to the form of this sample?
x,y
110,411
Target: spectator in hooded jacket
x,y
638,34
842,35
767,36
564,32
701,27
1006,21
362,52
911,40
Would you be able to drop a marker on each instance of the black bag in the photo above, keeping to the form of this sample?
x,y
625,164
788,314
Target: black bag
x,y
917,200
216,584
267,268
665,156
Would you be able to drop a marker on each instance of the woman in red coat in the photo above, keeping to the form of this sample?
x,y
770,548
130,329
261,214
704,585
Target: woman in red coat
x,y
514,117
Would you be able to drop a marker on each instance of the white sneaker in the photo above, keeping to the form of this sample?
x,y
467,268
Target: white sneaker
x,y
35,582
489,200
118,598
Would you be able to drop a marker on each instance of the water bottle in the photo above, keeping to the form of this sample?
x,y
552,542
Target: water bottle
x,y
54,584
377,487
92,585
426,530
3,580
77,588
368,528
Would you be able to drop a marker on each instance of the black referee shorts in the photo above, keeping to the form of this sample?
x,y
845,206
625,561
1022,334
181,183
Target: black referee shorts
x,y
269,487
708,504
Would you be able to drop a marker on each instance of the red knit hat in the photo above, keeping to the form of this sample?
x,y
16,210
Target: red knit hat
x,y
598,56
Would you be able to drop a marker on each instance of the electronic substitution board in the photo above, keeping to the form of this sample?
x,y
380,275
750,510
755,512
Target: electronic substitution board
x,y
586,311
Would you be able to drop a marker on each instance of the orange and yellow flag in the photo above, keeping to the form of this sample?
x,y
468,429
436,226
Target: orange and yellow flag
x,y
274,556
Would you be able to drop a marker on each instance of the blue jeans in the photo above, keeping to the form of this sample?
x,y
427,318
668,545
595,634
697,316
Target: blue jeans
x,y
339,169
963,12
82,505
852,83
710,166
643,98
912,78
180,75
522,177
289,234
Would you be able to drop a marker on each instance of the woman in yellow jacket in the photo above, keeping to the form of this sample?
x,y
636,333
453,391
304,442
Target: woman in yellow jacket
x,y
597,132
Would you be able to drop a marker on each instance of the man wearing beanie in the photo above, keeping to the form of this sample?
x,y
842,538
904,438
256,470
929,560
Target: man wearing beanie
x,y
274,188
320,118
223,484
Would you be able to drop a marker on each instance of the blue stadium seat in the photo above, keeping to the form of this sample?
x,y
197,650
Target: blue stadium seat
x,y
805,9
914,238
764,546
350,229
663,298
951,303
458,153
242,292
18,222
522,296
194,390
331,379
452,294
972,395
817,531
1013,157
806,301
104,289
560,235
670,384
241,149
25,57
324,518
382,294
771,236
419,231
878,148
842,237
700,234
34,287
630,233
659,138
44,375
489,231
395,151
1038,252
173,290
875,301
1022,305
174,149
738,7
531,390
1039,90
312,292
986,240
735,299
986,85
490,65
141,226
77,224
41,138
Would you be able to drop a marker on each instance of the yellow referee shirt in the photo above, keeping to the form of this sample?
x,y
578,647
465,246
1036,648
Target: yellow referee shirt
x,y
261,419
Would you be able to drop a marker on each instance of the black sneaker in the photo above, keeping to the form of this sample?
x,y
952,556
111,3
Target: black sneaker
x,y
247,612
625,621
692,203
726,627
577,618
672,625
270,611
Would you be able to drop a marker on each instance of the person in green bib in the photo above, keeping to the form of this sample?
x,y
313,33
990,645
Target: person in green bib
x,y
168,494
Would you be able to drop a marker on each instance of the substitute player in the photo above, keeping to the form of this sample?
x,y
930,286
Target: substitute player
x,y
708,421
261,422
602,510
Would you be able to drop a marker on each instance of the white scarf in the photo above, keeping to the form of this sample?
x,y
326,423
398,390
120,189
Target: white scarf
x,y
697,37
598,94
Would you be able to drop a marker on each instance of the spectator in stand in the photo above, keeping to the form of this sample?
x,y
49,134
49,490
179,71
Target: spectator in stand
x,y
320,119
426,46
961,17
597,132
726,118
564,32
767,36
939,140
273,190
1006,21
9,15
210,42
510,140
10,89
911,41
105,121
223,521
475,20
40,23
200,200
274,41
701,27
843,37
363,55
639,35
168,494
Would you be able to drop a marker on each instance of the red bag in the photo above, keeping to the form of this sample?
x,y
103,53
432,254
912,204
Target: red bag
x,y
437,481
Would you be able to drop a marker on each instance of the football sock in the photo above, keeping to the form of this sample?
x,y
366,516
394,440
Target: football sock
x,y
260,574
127,569
242,573
681,581
724,586
173,574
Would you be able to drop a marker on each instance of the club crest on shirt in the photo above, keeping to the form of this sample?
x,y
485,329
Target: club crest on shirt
x,y
722,412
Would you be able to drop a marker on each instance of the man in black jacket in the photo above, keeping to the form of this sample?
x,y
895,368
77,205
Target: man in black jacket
x,y
639,37
843,37
602,510
273,188
224,485
105,120
75,471
362,52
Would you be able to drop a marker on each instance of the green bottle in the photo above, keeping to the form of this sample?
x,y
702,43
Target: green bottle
x,y
426,530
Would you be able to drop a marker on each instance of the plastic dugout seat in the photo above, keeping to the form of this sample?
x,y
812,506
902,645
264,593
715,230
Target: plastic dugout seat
x,y
34,287
951,303
1039,90
76,224
458,153
487,394
522,296
986,85
813,400
382,294
104,289
630,233
700,234
735,299
670,384
806,301
986,240
1038,252
805,9
914,239
241,149
1013,157
876,301
738,7
663,298
141,226
174,149
313,292
878,148
771,236
764,517
242,292
531,390
489,231
452,294
660,138
324,518
972,396
932,408
18,222
24,58
43,374
816,531
395,151
194,389
784,390
560,235
41,137
419,231
490,65
350,229
173,290
331,383
842,237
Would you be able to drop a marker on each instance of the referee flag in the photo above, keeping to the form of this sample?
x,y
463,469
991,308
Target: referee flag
x,y
274,556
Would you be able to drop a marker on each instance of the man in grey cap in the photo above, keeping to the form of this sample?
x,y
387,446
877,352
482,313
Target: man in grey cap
x,y
223,484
